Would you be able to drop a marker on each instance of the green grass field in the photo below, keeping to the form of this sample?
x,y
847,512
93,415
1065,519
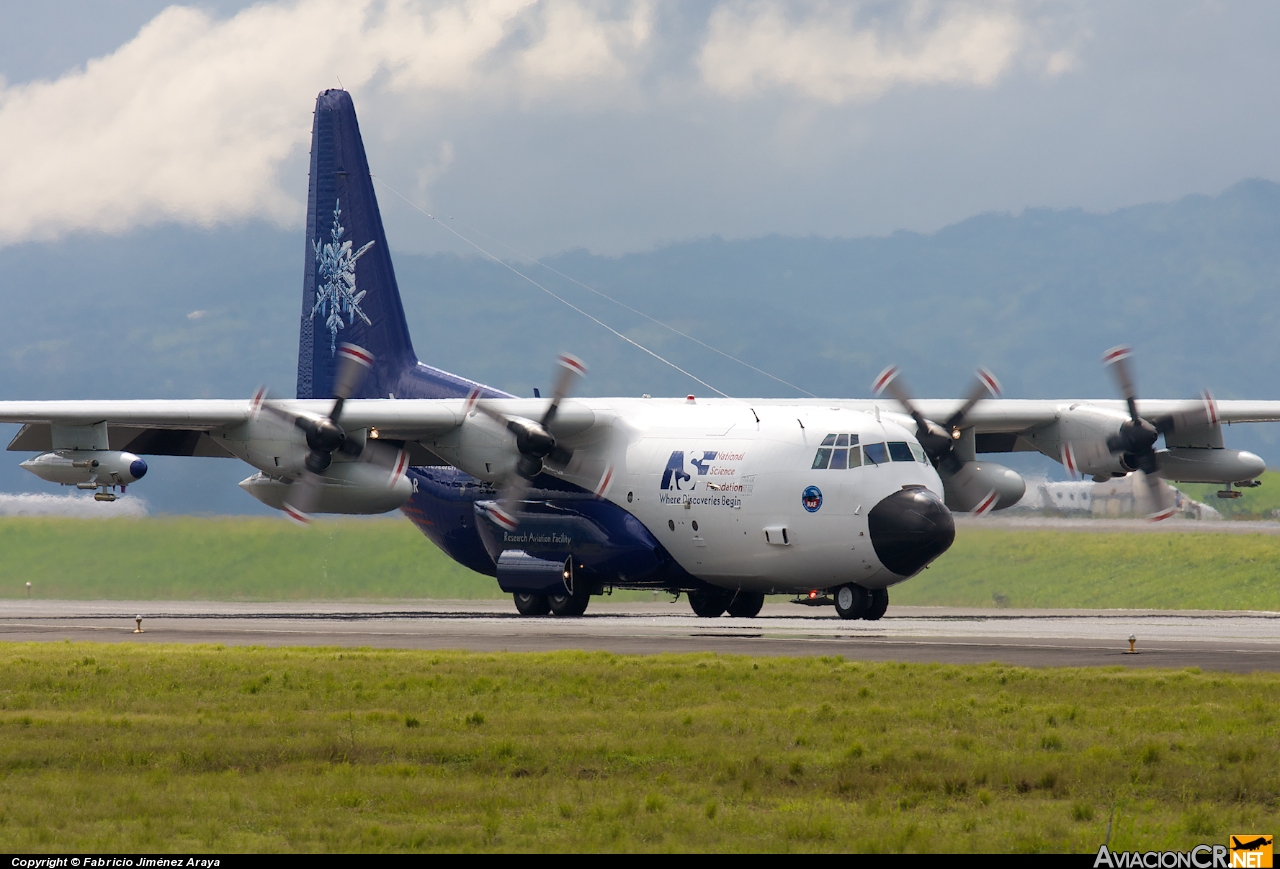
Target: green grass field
x,y
190,558
1072,569
193,748
1262,502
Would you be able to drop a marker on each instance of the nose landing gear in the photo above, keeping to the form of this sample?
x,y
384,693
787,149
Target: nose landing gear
x,y
855,602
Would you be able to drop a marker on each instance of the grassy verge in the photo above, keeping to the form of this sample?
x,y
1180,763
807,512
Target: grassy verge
x,y
1262,502
189,558
120,748
228,558
997,568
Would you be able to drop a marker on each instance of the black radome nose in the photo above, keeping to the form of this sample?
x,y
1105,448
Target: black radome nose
x,y
909,529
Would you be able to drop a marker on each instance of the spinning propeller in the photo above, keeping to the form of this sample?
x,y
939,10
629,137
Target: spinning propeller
x,y
326,436
533,441
1136,440
939,441
969,491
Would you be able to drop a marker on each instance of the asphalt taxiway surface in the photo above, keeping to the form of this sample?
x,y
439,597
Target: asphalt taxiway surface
x,y
1236,641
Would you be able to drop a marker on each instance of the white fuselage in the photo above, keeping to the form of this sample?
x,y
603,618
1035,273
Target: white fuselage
x,y
709,478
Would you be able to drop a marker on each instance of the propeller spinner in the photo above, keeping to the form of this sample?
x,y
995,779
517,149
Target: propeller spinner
x,y
1135,442
966,486
938,441
326,436
534,441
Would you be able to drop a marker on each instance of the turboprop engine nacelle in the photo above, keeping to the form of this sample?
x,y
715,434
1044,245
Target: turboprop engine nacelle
x,y
346,487
88,469
1206,465
970,487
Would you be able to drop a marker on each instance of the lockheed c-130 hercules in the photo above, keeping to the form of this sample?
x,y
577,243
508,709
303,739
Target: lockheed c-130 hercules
x,y
726,500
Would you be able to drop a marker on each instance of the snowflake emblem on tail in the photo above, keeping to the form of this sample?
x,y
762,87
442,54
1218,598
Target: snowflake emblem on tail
x,y
336,294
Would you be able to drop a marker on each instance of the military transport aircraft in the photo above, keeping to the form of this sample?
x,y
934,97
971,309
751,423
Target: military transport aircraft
x,y
726,500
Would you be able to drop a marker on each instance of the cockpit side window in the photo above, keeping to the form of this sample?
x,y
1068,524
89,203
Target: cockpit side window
x,y
829,440
876,454
918,452
842,440
855,457
900,452
821,459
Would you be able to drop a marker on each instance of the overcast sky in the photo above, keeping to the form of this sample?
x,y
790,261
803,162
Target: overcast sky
x,y
616,126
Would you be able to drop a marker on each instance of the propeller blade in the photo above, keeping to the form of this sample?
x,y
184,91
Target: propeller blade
x,y
1117,359
482,407
560,457
890,382
571,368
303,498
354,364
606,479
1153,496
1069,461
1197,414
506,510
255,403
986,386
937,442
393,457
987,504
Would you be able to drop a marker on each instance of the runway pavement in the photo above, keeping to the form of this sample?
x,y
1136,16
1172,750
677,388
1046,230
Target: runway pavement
x,y
1237,641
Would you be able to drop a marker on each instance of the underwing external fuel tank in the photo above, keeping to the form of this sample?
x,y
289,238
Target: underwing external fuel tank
x,y
89,469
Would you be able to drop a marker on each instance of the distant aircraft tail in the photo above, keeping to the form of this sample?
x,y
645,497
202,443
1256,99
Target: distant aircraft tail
x,y
349,292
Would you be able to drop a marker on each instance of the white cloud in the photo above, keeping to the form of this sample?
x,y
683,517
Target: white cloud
x,y
191,119
832,56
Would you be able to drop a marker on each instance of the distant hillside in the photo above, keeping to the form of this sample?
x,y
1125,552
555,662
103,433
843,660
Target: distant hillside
x,y
1037,297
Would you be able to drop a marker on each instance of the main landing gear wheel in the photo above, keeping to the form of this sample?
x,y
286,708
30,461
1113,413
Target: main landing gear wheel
x,y
853,601
570,604
746,605
879,603
708,604
532,604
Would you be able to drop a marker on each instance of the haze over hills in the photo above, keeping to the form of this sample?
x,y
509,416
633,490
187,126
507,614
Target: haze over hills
x,y
1037,297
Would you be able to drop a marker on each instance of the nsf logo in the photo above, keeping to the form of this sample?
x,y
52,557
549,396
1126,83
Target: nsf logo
x,y
1243,852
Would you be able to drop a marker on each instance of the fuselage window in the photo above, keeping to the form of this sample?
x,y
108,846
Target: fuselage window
x,y
855,457
839,459
820,460
900,452
876,454
829,440
842,440
918,452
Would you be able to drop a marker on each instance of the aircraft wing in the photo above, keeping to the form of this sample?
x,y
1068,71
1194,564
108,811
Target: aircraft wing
x,y
181,427
1012,415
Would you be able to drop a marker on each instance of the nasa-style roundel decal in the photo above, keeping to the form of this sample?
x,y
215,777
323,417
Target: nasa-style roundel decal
x,y
812,499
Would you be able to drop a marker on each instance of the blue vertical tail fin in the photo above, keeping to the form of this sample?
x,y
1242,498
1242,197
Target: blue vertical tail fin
x,y
349,290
